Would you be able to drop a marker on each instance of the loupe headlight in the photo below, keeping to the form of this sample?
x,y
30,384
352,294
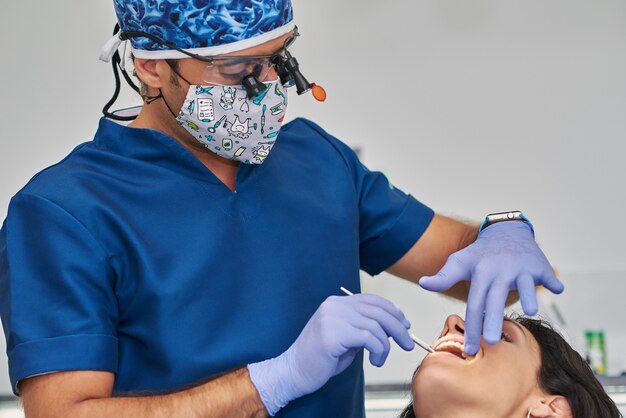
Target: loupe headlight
x,y
288,70
293,68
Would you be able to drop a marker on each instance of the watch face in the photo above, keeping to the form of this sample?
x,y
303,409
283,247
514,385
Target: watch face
x,y
513,215
501,216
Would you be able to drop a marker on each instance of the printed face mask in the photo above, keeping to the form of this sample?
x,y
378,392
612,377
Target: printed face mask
x,y
225,121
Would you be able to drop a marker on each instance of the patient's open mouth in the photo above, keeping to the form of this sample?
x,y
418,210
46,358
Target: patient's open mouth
x,y
452,346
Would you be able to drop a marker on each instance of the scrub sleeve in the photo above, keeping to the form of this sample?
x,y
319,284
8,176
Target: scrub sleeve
x,y
60,309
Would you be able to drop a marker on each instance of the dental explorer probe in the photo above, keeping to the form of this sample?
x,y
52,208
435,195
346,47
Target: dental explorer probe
x,y
417,341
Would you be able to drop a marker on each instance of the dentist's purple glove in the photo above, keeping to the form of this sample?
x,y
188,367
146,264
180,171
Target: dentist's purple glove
x,y
504,257
340,327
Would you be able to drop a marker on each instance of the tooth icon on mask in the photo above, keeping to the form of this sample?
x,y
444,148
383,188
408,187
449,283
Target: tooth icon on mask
x,y
240,129
262,152
227,144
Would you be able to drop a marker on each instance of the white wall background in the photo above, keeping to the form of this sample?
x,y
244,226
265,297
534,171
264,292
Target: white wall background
x,y
472,106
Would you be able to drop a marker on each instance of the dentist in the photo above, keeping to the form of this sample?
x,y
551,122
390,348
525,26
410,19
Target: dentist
x,y
180,266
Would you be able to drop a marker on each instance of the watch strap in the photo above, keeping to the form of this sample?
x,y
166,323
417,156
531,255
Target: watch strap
x,y
513,215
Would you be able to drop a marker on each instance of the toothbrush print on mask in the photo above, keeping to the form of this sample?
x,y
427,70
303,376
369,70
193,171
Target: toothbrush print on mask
x,y
225,121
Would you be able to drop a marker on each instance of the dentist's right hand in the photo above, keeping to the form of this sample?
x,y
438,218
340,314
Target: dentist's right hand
x,y
340,327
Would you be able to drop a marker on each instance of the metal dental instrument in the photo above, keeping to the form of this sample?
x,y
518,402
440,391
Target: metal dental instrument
x,y
417,341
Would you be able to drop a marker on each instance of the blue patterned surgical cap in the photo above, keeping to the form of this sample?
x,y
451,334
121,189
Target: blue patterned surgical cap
x,y
205,27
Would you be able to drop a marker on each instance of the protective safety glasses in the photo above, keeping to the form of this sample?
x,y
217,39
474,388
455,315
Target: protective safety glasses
x,y
232,70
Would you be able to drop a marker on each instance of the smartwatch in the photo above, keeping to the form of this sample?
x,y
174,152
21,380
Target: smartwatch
x,y
512,215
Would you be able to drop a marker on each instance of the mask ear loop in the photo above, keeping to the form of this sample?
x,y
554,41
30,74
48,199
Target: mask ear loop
x,y
529,412
150,99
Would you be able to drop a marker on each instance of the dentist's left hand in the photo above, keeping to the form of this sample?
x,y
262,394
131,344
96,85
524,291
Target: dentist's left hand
x,y
327,345
504,257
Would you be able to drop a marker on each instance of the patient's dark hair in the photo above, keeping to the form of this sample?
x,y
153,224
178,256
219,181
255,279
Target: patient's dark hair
x,y
563,372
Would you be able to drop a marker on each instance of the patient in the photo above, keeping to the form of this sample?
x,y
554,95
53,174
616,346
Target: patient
x,y
532,372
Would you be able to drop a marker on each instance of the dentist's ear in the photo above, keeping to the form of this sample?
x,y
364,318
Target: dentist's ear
x,y
153,73
552,406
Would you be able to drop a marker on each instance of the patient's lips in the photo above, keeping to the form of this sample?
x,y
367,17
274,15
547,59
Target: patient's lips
x,y
453,344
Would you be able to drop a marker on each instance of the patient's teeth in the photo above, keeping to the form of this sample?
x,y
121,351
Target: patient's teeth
x,y
454,347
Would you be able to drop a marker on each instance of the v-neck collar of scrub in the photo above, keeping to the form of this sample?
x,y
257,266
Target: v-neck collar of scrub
x,y
155,147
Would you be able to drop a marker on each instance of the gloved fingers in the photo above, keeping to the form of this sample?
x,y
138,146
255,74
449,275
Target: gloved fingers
x,y
367,333
382,303
527,293
453,271
377,356
474,314
390,324
358,339
494,315
378,359
550,282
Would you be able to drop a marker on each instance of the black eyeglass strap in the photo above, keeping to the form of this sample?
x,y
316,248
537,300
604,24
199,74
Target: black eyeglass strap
x,y
117,67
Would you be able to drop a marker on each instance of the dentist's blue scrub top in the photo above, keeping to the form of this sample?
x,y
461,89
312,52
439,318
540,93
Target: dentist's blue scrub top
x,y
129,256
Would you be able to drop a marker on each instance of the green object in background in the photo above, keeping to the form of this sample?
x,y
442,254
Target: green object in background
x,y
596,351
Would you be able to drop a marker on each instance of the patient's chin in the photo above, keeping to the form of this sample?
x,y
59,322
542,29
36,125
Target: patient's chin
x,y
436,390
431,389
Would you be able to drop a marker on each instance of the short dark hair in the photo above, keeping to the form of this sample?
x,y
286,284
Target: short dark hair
x,y
562,372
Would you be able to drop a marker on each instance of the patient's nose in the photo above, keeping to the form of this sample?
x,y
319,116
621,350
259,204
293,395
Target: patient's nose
x,y
454,325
